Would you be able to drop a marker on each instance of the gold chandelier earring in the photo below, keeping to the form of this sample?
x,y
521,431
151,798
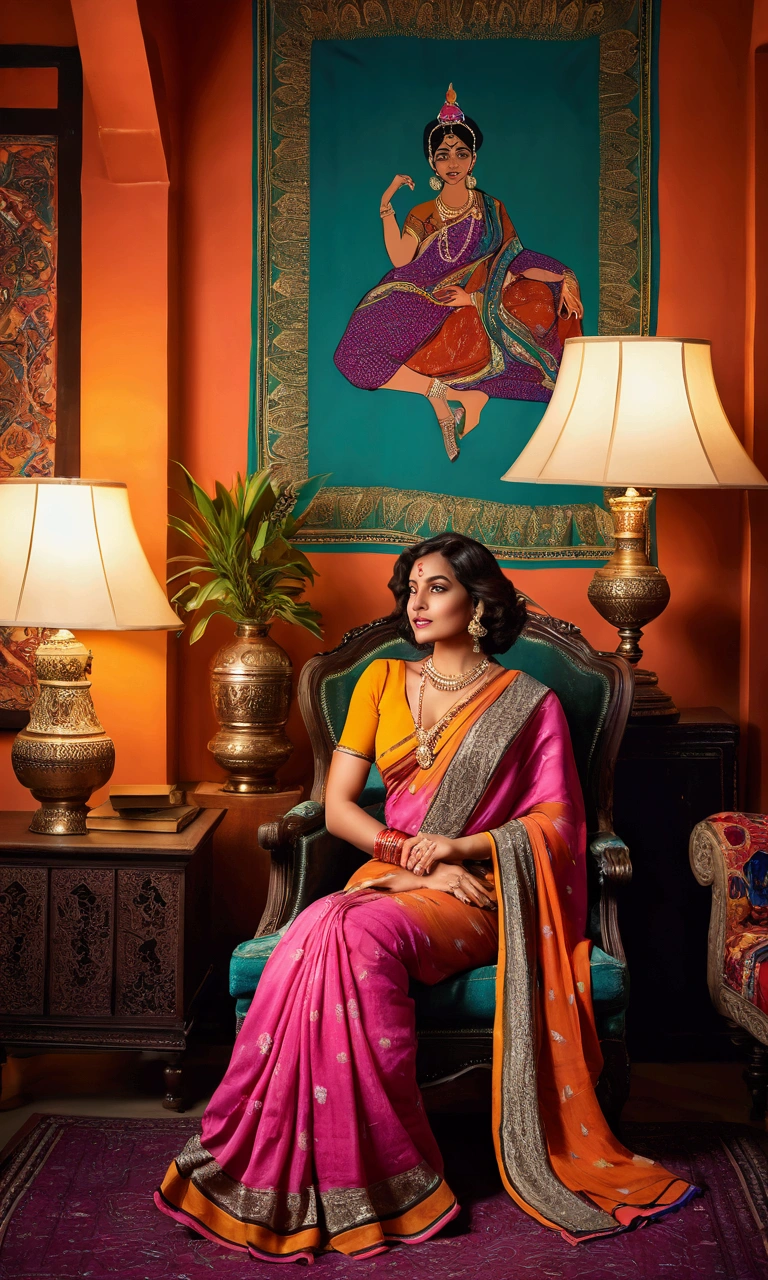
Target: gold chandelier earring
x,y
471,181
476,628
435,183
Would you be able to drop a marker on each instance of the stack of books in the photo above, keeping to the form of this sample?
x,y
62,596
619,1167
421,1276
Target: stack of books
x,y
157,808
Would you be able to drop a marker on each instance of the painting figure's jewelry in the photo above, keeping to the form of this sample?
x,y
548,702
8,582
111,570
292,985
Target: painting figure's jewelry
x,y
452,684
448,213
427,738
386,211
438,390
443,247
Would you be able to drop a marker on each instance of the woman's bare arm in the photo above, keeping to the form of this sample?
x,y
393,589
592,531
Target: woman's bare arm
x,y
343,815
345,818
400,247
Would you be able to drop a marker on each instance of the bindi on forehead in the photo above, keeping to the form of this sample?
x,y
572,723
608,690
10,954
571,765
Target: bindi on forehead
x,y
420,568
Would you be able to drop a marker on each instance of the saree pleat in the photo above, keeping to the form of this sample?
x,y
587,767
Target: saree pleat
x,y
317,1138
317,1133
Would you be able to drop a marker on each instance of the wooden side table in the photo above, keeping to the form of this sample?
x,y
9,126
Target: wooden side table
x,y
669,777
104,939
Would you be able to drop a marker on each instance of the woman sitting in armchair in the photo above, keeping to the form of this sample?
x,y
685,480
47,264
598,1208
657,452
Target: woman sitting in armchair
x,y
317,1138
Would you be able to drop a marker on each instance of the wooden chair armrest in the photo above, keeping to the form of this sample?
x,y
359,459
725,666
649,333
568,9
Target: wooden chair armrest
x,y
614,870
611,855
297,822
307,862
282,839
709,866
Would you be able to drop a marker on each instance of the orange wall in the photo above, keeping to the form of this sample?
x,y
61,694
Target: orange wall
x,y
200,57
214,300
124,408
755,565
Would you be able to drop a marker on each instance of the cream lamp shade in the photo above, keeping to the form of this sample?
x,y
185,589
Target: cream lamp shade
x,y
72,559
636,411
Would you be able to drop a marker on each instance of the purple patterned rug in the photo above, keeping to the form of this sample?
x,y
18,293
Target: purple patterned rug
x,y
76,1201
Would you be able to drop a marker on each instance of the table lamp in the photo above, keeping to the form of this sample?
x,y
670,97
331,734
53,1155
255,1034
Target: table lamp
x,y
71,559
636,414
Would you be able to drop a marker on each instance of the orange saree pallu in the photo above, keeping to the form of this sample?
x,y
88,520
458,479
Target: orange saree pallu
x,y
317,1138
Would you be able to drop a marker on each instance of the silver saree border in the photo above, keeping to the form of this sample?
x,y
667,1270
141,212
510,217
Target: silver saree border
x,y
480,754
522,1145
285,1212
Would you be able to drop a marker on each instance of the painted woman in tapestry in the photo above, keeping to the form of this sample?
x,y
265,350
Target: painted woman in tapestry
x,y
467,313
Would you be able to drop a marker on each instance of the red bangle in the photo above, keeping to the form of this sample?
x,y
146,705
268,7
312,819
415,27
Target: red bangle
x,y
388,845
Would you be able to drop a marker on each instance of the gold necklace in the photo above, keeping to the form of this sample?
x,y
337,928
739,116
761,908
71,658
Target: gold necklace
x,y
451,217
443,247
427,738
447,211
452,684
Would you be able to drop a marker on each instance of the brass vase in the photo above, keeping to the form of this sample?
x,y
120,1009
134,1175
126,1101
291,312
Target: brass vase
x,y
63,754
251,694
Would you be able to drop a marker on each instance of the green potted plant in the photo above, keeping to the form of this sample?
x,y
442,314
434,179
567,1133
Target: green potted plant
x,y
246,568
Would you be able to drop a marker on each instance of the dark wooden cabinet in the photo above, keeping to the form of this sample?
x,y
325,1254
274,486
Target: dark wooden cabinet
x,y
669,777
104,938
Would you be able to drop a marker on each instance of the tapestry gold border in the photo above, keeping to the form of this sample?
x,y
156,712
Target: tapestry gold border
x,y
284,32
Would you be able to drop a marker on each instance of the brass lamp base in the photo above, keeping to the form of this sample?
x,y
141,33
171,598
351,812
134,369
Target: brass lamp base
x,y
629,592
63,754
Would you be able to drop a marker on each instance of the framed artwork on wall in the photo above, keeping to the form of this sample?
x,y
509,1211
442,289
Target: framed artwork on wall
x,y
551,104
40,290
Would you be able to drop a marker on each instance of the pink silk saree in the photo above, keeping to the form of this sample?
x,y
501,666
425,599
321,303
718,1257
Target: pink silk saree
x,y
316,1138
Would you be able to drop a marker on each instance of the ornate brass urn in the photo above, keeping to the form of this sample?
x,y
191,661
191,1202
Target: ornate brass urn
x,y
629,592
251,693
63,754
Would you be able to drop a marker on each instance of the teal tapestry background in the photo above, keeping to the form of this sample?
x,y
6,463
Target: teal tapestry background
x,y
369,103
562,91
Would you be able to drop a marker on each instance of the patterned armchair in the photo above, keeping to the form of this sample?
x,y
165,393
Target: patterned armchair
x,y
455,1017
730,852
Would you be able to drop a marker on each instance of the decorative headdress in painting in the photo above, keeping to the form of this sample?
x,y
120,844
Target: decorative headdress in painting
x,y
450,114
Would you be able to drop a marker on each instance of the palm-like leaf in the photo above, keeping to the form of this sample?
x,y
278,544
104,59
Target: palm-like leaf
x,y
242,538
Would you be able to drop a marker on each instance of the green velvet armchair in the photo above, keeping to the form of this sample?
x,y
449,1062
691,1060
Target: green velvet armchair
x,y
455,1017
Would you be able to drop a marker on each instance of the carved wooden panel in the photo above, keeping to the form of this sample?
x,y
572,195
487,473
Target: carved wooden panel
x,y
81,941
23,899
147,943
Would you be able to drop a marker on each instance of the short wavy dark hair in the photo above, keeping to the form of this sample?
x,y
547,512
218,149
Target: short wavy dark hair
x,y
504,612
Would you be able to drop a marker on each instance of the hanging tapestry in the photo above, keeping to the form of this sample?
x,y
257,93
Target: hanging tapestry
x,y
40,289
445,191
28,248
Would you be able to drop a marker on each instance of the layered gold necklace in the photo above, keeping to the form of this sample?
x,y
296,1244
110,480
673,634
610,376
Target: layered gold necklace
x,y
452,684
447,212
427,738
450,217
